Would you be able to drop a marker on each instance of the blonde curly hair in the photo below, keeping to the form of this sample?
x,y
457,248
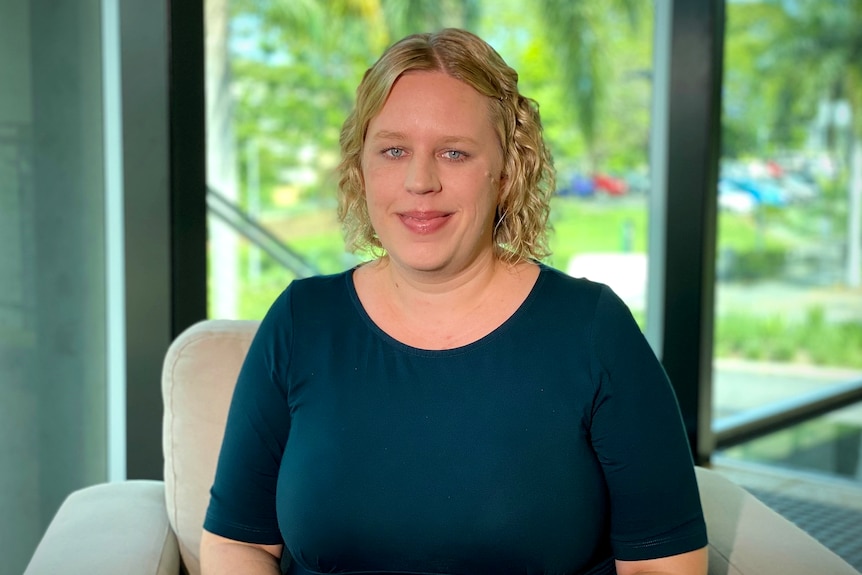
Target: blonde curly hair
x,y
521,222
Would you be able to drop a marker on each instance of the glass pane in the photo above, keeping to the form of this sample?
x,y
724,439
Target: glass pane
x,y
789,291
52,272
830,444
281,83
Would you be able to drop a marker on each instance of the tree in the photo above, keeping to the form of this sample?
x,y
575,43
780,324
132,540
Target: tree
x,y
823,40
296,65
579,32
292,67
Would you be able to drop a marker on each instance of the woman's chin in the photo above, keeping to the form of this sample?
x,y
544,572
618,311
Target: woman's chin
x,y
438,261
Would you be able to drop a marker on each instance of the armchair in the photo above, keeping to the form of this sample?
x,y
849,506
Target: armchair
x,y
154,527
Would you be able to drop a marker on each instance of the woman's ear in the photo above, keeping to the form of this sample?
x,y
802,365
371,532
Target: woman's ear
x,y
502,182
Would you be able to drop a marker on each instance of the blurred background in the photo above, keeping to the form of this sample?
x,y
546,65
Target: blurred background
x,y
93,146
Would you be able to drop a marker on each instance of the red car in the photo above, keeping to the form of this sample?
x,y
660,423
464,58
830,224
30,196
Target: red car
x,y
610,185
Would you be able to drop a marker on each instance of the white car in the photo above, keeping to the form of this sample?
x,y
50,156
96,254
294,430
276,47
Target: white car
x,y
734,199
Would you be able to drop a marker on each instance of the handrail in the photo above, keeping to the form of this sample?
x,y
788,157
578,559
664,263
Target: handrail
x,y
247,226
757,422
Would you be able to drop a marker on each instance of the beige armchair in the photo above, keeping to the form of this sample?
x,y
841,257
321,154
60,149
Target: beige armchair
x,y
153,527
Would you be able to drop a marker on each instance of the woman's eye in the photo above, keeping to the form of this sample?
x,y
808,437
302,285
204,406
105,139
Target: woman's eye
x,y
393,152
453,155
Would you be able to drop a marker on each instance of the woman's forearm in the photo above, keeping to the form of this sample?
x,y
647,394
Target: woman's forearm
x,y
221,556
691,563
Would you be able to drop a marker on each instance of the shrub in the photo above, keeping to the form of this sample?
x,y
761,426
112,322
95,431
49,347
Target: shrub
x,y
757,264
812,339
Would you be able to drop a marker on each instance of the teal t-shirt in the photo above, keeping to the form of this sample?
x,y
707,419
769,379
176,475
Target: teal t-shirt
x,y
552,445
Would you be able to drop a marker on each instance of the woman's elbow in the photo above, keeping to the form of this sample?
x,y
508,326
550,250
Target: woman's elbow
x,y
690,563
220,555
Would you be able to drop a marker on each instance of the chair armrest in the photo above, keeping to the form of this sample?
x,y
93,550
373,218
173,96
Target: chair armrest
x,y
748,538
107,529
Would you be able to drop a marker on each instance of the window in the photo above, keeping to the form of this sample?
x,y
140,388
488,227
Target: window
x,y
789,290
283,80
53,303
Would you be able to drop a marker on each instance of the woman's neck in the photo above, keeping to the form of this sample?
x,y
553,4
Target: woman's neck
x,y
436,312
441,292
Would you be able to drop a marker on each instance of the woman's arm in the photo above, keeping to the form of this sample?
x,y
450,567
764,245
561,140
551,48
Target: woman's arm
x,y
691,563
222,556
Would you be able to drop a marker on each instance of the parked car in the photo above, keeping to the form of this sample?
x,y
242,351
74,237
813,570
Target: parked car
x,y
732,198
765,192
638,182
799,188
610,185
578,186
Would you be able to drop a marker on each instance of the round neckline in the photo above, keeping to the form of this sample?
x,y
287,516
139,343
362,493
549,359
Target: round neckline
x,y
490,336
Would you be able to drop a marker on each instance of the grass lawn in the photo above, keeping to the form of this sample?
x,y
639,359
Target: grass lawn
x,y
601,225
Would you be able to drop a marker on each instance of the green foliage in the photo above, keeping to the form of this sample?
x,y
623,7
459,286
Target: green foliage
x,y
774,338
295,67
832,344
755,264
602,61
404,18
782,59
594,226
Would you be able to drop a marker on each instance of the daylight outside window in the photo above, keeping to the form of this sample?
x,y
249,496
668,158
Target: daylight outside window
x,y
281,78
789,289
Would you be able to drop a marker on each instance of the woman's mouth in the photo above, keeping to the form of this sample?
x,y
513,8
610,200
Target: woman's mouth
x,y
424,222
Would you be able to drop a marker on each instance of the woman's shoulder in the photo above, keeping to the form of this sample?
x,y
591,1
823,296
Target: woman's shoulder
x,y
319,286
311,295
570,286
579,297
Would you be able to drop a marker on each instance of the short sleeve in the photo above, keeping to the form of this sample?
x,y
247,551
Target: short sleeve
x,y
638,435
243,496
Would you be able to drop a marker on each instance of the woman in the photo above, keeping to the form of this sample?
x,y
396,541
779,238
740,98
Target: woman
x,y
452,406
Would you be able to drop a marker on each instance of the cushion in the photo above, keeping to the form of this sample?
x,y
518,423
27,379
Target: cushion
x,y
198,377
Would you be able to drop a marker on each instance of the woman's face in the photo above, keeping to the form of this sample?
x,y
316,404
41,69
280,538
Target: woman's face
x,y
431,164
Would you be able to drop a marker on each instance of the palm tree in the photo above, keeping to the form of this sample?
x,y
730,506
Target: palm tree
x,y
823,40
326,44
578,32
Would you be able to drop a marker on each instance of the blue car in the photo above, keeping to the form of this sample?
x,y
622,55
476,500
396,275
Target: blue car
x,y
764,192
578,186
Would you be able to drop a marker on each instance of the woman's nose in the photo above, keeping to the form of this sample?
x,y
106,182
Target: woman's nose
x,y
422,177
